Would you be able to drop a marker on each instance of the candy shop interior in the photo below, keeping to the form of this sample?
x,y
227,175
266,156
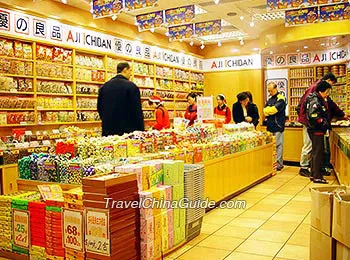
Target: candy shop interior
x,y
213,159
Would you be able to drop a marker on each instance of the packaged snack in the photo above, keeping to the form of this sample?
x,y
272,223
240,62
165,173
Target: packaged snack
x,y
9,49
48,54
28,68
18,50
57,54
40,52
27,51
2,47
67,56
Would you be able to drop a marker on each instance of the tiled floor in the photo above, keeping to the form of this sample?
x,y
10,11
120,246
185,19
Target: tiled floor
x,y
275,224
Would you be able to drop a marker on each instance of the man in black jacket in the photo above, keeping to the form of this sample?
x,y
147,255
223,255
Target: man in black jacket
x,y
275,112
317,112
119,104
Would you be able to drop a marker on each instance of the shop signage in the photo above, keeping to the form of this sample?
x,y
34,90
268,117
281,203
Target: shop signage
x,y
150,20
180,32
106,8
335,12
233,63
21,236
308,58
208,28
97,232
277,5
139,4
18,24
301,16
180,15
205,108
73,229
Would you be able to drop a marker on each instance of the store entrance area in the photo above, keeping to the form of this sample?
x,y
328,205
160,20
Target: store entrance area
x,y
274,225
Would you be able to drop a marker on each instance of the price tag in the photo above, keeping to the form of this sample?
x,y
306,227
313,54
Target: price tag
x,y
1,152
20,231
97,232
73,233
56,131
15,151
23,123
30,150
40,137
47,142
28,133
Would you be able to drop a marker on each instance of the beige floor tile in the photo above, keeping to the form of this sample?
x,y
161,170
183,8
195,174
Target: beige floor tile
x,y
179,252
257,214
292,210
256,247
263,190
307,220
270,235
220,242
282,197
235,231
209,228
294,252
204,253
252,195
283,226
301,236
265,207
299,204
304,198
246,222
272,201
242,256
287,217
229,212
216,218
197,239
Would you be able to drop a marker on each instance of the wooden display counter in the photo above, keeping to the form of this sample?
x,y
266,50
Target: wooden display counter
x,y
339,159
227,176
8,177
293,143
29,185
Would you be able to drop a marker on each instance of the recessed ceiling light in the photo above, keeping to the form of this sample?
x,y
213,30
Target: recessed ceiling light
x,y
252,24
114,17
191,43
255,49
202,46
167,34
234,50
298,50
216,1
271,52
64,1
334,38
241,42
323,44
219,44
241,17
305,47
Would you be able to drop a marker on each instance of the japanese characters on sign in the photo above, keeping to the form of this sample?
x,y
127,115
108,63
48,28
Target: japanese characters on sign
x,y
180,15
301,16
138,4
106,8
73,229
208,28
150,20
97,232
180,32
21,235
335,12
205,108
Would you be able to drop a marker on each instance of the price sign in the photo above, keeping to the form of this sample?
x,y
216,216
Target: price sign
x,y
20,231
97,232
73,229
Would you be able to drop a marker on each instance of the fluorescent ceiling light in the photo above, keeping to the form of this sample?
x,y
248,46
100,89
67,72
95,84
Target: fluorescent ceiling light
x,y
269,16
223,36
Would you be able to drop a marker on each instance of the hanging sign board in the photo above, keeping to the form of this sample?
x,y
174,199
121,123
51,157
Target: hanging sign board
x,y
301,16
139,4
106,8
336,12
278,5
180,32
150,20
180,15
248,62
208,28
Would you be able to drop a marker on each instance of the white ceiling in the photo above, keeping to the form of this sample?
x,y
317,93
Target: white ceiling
x,y
237,8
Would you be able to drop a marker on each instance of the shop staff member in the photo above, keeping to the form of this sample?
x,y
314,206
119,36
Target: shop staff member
x,y
191,112
162,114
119,104
318,124
302,118
243,111
222,110
275,112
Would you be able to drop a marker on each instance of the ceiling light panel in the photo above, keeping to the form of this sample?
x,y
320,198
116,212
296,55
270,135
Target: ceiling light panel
x,y
269,16
223,36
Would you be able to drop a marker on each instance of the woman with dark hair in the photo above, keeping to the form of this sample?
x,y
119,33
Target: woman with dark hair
x,y
222,111
253,111
244,111
191,112
162,114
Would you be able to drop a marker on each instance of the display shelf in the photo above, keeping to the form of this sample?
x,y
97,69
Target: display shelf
x,y
183,80
17,109
160,77
90,82
18,125
149,119
145,87
142,75
181,99
197,91
302,77
164,89
87,109
55,79
16,93
148,109
55,63
15,58
17,76
180,109
54,94
88,68
87,95
56,123
88,122
55,109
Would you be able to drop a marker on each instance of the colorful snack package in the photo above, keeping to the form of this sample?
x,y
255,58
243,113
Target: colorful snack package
x,y
49,54
57,54
9,49
18,50
40,52
27,51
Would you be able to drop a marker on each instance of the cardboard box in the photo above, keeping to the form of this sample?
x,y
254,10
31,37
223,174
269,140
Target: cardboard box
x,y
342,252
322,247
178,192
147,229
147,251
158,227
165,230
158,247
182,217
170,213
341,219
322,207
146,198
179,235
171,240
173,172
176,216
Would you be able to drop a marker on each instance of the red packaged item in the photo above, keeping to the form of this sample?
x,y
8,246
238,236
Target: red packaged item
x,y
58,54
40,52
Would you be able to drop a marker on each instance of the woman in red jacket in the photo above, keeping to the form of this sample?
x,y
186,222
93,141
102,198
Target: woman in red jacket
x,y
162,114
191,112
222,111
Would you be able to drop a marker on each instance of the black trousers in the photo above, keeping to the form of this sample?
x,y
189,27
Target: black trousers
x,y
317,155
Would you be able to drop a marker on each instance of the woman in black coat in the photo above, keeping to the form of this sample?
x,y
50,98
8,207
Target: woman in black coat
x,y
244,110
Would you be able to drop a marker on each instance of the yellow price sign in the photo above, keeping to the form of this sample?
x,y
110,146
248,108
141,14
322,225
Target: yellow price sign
x,y
20,231
73,233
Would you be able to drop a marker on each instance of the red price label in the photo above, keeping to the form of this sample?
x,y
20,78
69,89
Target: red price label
x,y
73,229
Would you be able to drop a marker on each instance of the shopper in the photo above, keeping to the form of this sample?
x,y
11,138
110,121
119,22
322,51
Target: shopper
x,y
119,104
318,124
162,114
275,112
191,112
253,110
302,118
222,111
243,111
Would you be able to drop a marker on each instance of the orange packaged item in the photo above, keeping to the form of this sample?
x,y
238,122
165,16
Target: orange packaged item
x,y
49,54
67,56
40,52
27,51
58,54
8,47
18,50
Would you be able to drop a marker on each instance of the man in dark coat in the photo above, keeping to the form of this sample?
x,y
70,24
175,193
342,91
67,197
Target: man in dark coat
x,y
119,104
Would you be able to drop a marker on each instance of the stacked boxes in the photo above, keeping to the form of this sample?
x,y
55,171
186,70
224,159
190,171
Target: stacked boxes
x,y
194,191
53,230
5,222
322,245
124,226
174,176
37,210
341,228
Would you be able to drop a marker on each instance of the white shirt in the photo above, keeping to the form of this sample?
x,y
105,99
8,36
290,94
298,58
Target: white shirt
x,y
244,110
